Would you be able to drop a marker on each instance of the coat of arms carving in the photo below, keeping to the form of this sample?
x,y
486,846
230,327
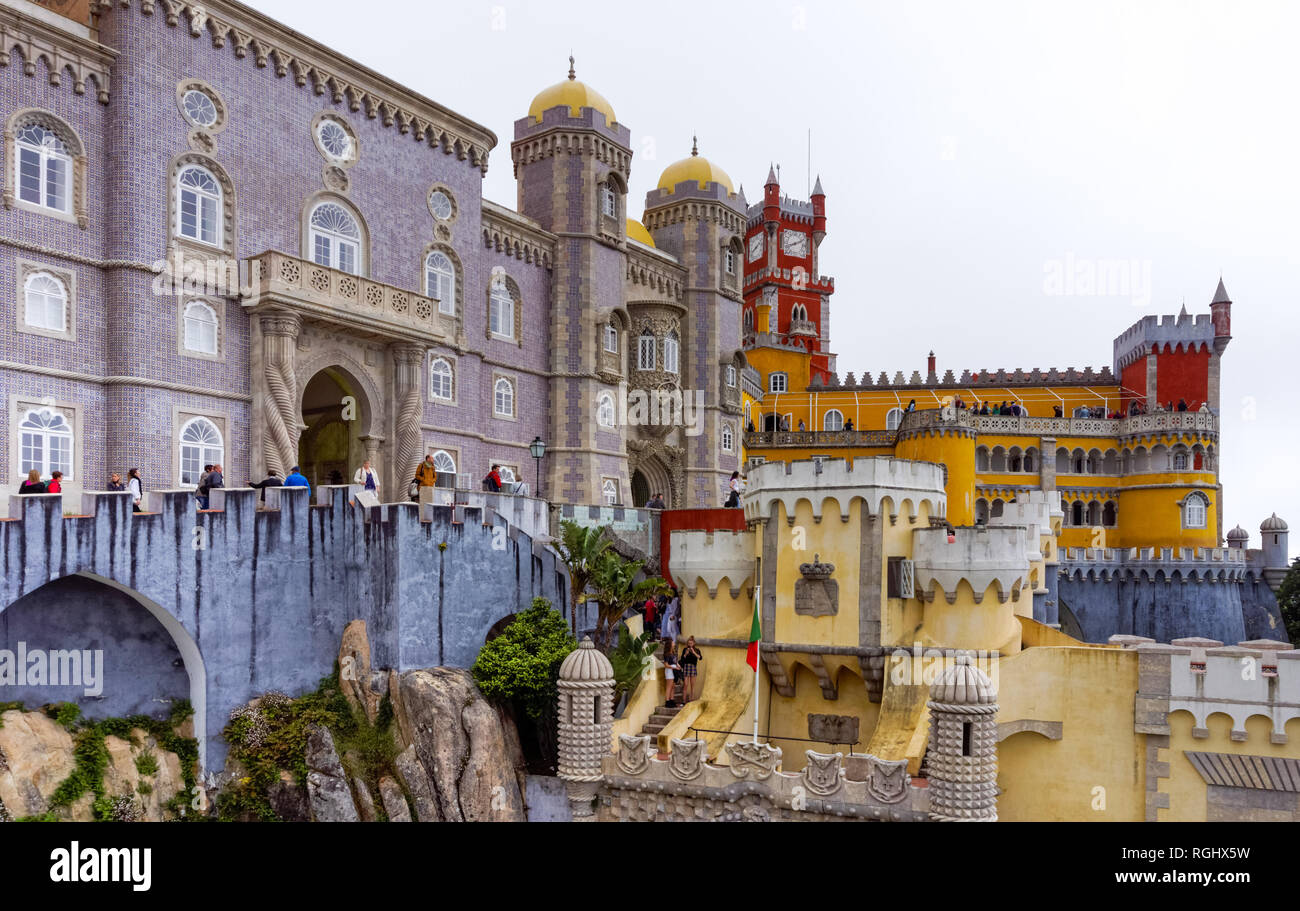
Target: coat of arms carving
x,y
823,775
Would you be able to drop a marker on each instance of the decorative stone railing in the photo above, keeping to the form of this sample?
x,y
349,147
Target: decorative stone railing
x,y
803,327
369,306
1202,421
819,438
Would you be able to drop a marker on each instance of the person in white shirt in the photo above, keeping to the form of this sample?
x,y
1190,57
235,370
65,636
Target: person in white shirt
x,y
366,477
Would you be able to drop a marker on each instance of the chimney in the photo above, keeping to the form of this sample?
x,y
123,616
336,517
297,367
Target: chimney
x,y
930,375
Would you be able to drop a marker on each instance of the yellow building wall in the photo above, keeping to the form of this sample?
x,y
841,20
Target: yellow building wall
x,y
1090,692
1153,518
1185,786
957,452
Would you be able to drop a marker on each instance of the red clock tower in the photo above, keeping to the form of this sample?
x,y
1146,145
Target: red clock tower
x,y
782,237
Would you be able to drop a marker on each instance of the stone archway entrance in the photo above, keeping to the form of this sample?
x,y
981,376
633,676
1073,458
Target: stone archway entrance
x,y
640,489
335,413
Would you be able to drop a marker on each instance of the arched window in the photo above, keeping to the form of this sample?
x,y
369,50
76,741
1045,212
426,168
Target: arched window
x,y
997,508
731,377
605,410
440,281
45,302
894,418
335,238
749,416
1094,513
1108,514
201,445
1180,460
833,420
199,213
46,442
200,328
608,201
441,376
645,352
504,399
1195,510
43,168
1076,513
728,438
609,492
1029,463
749,319
981,511
981,458
998,460
670,353
445,464
611,338
729,261
502,306
778,382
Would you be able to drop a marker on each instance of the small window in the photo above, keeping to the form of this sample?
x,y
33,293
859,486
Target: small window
x,y
605,410
334,139
646,352
45,302
670,354
609,492
335,238
901,579
46,443
503,308
609,201
200,328
43,168
440,379
894,418
444,463
833,420
1195,511
199,108
730,257
749,319
731,377
728,438
504,403
200,445
1180,461
611,339
777,382
440,281
966,738
440,205
199,213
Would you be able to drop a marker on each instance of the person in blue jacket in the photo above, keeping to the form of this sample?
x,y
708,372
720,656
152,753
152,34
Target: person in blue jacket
x,y
295,479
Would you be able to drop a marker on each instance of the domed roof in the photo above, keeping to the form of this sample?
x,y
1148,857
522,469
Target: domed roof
x,y
586,663
697,168
575,94
1238,534
963,684
1272,523
637,231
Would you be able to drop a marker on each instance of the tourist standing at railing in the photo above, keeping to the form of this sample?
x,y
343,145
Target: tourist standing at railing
x,y
56,482
911,406
295,478
801,425
427,474
1182,404
689,662
670,668
1058,411
136,485
366,477
848,425
272,480
733,498
115,484
492,481
749,428
33,484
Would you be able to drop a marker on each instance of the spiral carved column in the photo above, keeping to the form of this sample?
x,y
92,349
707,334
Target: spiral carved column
x,y
280,404
407,360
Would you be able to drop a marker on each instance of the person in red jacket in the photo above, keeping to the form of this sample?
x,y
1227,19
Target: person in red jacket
x,y
55,485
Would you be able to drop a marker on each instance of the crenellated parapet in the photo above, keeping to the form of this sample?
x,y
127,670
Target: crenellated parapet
x,y
884,485
1159,564
712,557
1151,334
639,786
982,557
1070,376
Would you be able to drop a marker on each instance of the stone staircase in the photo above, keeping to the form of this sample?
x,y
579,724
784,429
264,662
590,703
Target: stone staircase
x,y
660,718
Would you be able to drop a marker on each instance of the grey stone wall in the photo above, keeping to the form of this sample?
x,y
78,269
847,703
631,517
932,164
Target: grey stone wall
x,y
255,600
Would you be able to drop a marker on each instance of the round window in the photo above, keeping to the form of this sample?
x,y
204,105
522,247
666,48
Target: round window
x,y
334,140
440,204
199,108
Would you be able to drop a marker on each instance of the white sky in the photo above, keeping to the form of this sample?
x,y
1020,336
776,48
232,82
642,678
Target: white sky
x,y
964,148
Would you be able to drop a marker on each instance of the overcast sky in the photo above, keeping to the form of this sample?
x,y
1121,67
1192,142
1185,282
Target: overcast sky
x,y
969,152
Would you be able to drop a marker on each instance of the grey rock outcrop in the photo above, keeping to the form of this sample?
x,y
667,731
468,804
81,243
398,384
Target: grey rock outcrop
x,y
327,784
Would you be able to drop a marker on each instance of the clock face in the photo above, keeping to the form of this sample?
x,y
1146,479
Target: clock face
x,y
794,243
755,247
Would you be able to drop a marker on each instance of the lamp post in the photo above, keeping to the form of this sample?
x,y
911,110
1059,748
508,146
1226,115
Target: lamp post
x,y
538,449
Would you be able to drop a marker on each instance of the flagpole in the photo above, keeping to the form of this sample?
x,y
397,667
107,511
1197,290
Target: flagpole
x,y
758,648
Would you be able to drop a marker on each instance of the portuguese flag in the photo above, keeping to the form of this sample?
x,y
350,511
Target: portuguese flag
x,y
755,633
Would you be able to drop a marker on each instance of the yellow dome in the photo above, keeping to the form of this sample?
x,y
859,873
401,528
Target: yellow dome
x,y
637,231
694,168
573,93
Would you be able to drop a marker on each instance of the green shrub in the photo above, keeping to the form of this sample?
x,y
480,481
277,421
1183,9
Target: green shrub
x,y
523,663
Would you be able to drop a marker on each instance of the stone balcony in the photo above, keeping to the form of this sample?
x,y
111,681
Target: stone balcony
x,y
368,308
803,327
1200,421
819,439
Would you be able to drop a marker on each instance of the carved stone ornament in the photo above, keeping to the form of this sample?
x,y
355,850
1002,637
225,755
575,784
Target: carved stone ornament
x,y
823,775
335,178
634,752
202,141
887,779
756,813
816,594
755,761
686,760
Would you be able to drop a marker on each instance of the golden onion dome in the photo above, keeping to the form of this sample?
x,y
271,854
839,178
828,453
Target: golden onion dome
x,y
637,231
695,168
575,94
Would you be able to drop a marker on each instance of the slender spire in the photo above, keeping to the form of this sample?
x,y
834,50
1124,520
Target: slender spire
x,y
572,74
695,146
1221,294
771,174
817,187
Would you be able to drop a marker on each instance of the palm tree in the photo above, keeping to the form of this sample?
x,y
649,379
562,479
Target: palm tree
x,y
581,549
618,591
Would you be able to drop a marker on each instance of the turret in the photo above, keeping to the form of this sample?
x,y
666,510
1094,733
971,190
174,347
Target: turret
x,y
771,200
586,720
819,211
1221,316
1274,532
1238,538
963,755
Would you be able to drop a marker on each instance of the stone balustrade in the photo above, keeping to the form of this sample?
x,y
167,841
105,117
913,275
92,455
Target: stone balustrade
x,y
372,308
